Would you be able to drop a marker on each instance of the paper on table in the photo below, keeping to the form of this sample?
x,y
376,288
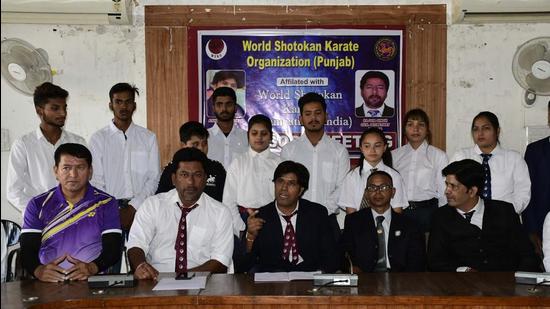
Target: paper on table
x,y
284,277
173,284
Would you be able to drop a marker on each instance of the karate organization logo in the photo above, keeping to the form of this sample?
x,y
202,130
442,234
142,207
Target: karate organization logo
x,y
385,49
216,49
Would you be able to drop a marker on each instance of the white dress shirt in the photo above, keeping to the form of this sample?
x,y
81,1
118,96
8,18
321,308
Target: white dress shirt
x,y
156,226
421,171
546,242
30,166
510,180
249,183
126,164
353,186
327,163
225,148
386,225
477,217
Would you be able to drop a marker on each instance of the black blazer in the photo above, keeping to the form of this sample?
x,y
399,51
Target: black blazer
x,y
406,245
501,245
387,112
537,157
316,245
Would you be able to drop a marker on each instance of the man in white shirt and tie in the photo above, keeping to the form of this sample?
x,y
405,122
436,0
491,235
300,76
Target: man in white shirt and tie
x,y
226,139
126,156
32,156
326,160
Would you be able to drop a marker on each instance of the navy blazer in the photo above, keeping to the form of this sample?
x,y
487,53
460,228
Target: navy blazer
x,y
501,245
537,157
406,244
316,244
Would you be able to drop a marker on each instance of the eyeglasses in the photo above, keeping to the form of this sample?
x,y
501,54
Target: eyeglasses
x,y
381,188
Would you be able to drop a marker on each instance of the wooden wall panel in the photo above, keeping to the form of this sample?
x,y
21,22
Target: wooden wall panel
x,y
166,54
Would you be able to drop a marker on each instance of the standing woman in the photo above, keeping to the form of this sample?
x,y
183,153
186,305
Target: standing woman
x,y
420,165
375,156
249,181
506,173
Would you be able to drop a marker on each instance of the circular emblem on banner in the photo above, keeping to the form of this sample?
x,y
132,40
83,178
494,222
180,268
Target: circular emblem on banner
x,y
216,49
385,49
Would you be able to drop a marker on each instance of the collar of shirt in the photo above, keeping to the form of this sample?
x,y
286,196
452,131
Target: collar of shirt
x,y
306,141
367,166
216,129
495,151
477,217
387,220
367,109
61,197
113,128
423,147
174,199
40,136
264,154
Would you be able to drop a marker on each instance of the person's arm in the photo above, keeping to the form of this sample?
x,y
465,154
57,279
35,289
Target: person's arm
x,y
230,192
521,245
440,256
221,245
342,170
17,177
152,176
141,269
331,258
522,184
400,199
441,162
347,193
97,149
212,266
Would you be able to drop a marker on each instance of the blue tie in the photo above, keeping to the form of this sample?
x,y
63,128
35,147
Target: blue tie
x,y
487,170
373,112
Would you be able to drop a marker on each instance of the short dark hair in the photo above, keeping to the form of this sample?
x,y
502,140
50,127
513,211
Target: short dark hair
x,y
224,75
418,114
224,92
312,97
381,173
261,119
297,169
76,150
123,87
189,154
192,128
48,91
375,74
492,118
468,172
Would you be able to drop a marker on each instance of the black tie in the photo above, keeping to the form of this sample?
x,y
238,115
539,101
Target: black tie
x,y
468,216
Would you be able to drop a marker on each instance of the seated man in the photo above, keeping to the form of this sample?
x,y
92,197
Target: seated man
x,y
194,134
290,233
73,230
183,229
379,239
472,234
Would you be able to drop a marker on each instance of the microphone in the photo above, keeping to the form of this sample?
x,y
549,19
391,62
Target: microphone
x,y
324,280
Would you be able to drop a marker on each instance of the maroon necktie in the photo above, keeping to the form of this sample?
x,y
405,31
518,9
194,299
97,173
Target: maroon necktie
x,y
181,240
290,241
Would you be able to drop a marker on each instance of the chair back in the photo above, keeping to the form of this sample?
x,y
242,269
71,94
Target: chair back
x,y
12,232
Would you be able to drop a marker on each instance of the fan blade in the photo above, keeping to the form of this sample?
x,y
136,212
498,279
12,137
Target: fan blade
x,y
527,56
538,86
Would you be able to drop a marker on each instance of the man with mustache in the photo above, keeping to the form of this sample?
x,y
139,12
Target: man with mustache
x,y
183,229
374,90
32,155
126,156
326,159
226,139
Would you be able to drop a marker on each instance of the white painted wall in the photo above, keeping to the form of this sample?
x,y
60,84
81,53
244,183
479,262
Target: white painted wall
x,y
93,58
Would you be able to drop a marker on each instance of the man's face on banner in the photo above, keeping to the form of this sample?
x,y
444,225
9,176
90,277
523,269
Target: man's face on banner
x,y
374,92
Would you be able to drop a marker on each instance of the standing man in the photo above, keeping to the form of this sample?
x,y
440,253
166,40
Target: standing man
x,y
194,134
290,233
326,160
183,229
226,139
473,234
32,155
72,231
380,239
126,156
374,90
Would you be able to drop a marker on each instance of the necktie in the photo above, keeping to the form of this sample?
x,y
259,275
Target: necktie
x,y
373,112
289,242
181,240
468,216
381,264
487,170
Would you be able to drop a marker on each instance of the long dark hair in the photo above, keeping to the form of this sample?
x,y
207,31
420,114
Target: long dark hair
x,y
386,156
418,114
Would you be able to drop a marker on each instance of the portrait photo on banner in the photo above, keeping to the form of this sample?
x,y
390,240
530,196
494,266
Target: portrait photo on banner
x,y
235,79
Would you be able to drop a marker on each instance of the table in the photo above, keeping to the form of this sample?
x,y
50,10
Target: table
x,y
379,290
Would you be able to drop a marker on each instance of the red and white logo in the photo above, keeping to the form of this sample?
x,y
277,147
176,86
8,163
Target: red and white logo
x,y
216,49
